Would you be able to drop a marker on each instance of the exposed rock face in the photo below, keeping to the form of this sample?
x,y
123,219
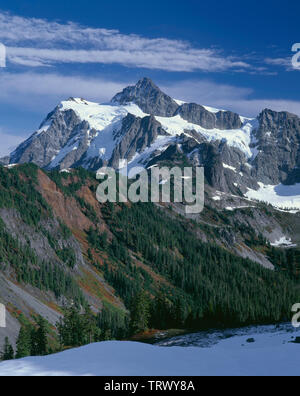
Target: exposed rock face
x,y
153,101
40,148
135,136
226,168
278,146
149,98
228,120
197,114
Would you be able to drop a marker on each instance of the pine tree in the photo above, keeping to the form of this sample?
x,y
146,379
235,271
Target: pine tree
x,y
24,343
38,338
8,353
91,332
140,313
41,337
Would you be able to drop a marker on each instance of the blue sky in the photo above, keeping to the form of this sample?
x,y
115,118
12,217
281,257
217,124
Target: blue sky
x,y
225,54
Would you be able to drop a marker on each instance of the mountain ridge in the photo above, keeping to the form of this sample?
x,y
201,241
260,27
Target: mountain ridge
x,y
244,152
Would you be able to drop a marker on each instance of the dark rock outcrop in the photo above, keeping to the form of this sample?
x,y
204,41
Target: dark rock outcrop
x,y
40,148
198,115
278,147
135,136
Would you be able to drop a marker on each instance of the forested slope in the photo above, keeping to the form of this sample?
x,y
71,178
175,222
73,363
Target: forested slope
x,y
59,248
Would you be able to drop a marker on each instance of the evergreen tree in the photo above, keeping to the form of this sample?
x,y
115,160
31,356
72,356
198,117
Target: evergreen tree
x,y
8,353
91,331
24,343
39,340
41,335
77,329
140,313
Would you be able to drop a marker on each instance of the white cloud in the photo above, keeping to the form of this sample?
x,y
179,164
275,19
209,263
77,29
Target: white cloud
x,y
282,62
35,42
227,97
41,91
159,58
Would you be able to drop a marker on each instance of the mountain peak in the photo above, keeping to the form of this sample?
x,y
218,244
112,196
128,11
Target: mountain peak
x,y
145,83
148,97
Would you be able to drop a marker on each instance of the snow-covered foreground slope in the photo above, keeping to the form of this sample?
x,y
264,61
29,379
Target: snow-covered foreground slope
x,y
272,353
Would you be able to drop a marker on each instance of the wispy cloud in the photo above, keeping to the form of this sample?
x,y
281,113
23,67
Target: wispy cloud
x,y
286,63
228,97
37,42
40,92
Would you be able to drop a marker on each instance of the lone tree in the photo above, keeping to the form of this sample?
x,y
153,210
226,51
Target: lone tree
x,y
140,313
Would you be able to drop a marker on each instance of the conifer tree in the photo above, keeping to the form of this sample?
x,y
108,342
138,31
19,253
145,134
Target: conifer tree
x,y
24,343
140,313
8,353
39,340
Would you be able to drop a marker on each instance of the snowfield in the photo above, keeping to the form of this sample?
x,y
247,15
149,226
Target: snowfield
x,y
270,351
107,118
280,196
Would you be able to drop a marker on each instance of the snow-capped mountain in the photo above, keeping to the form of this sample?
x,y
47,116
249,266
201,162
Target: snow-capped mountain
x,y
143,125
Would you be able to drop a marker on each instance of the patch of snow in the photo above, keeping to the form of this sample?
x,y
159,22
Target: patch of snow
x,y
280,196
179,102
10,166
229,167
44,128
141,159
231,209
239,138
100,116
212,109
283,241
